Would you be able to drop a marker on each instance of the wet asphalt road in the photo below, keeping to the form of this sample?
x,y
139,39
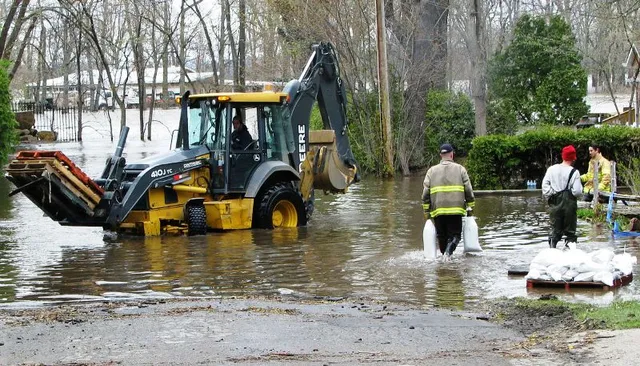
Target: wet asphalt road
x,y
251,332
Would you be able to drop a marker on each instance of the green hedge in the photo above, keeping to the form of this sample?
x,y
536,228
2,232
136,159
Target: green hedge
x,y
507,162
8,124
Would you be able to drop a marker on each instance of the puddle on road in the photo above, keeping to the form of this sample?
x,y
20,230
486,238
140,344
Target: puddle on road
x,y
366,243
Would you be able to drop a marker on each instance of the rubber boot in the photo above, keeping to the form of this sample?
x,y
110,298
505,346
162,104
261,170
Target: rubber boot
x,y
570,244
553,243
452,243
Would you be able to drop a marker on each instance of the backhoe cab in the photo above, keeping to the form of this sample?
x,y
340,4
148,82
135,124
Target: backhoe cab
x,y
218,176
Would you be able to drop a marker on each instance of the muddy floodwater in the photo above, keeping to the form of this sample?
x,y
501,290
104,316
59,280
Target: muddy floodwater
x,y
367,243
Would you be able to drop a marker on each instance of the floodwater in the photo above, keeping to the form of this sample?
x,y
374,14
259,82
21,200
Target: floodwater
x,y
367,243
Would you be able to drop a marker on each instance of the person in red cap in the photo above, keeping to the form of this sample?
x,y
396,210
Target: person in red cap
x,y
562,188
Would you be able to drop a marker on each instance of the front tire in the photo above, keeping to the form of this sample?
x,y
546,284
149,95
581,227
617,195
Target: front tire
x,y
279,206
196,220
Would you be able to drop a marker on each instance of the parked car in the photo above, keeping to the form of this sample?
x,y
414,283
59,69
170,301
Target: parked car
x,y
592,119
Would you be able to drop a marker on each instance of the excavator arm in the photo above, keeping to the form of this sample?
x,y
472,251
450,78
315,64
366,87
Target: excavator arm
x,y
324,157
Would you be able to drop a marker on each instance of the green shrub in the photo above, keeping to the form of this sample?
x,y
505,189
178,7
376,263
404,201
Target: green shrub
x,y
451,120
8,124
540,74
506,162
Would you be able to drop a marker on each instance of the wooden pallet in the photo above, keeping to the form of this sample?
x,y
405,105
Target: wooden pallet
x,y
624,280
43,156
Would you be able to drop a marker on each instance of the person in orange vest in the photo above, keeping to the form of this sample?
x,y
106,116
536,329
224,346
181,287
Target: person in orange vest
x,y
604,173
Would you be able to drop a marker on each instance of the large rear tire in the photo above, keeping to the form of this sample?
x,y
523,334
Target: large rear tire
x,y
196,220
279,206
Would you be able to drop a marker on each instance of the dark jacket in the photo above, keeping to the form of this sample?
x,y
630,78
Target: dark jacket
x,y
240,138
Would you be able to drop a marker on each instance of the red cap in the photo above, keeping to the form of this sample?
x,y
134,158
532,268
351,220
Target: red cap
x,y
569,153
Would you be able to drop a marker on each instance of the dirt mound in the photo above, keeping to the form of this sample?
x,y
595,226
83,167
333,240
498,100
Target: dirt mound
x,y
529,317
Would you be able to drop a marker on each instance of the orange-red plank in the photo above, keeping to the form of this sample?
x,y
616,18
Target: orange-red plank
x,y
60,156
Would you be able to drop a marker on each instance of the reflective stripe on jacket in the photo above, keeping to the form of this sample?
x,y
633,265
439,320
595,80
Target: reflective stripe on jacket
x,y
447,189
604,175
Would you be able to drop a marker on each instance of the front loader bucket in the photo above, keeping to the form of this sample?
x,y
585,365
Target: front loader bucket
x,y
57,186
330,172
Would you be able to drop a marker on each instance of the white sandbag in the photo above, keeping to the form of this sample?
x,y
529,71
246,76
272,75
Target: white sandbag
x,y
559,268
570,275
623,263
575,258
590,266
470,235
584,277
533,274
545,277
556,276
538,267
548,256
429,240
602,256
605,277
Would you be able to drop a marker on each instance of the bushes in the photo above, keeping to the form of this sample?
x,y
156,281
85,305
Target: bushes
x,y
506,162
450,119
8,124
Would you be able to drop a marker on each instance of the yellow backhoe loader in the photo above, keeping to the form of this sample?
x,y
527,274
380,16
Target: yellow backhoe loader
x,y
210,181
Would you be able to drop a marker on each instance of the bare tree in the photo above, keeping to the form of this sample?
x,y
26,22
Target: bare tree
x,y
140,61
166,31
13,27
422,27
96,26
207,36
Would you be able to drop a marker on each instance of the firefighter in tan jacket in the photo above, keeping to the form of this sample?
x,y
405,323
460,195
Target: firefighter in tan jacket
x,y
447,196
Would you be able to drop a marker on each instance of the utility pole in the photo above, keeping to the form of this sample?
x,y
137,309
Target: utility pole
x,y
383,90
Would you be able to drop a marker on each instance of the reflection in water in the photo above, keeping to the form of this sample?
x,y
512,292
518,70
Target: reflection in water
x,y
449,288
365,243
6,204
7,269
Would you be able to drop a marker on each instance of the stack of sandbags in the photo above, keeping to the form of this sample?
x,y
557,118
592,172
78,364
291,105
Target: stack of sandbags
x,y
577,265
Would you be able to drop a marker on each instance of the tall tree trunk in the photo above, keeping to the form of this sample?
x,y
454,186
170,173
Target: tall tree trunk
x,y
430,43
79,84
155,56
25,42
136,36
222,42
232,44
165,53
242,39
66,62
4,34
43,64
183,46
428,71
16,17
